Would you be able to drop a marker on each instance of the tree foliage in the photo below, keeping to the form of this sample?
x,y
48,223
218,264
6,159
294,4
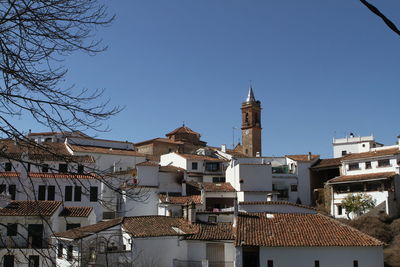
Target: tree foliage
x,y
357,204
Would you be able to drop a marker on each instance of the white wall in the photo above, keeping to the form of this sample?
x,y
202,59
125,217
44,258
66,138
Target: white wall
x,y
327,256
140,202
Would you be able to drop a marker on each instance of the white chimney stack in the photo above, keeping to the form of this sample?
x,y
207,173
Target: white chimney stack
x,y
223,148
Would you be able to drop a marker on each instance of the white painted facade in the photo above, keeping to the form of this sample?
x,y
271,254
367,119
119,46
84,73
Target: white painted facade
x,y
353,144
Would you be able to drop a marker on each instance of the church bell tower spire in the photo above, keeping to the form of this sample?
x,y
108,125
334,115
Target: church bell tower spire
x,y
251,125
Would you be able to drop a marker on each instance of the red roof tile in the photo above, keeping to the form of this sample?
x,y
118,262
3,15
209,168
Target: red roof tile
x,y
104,150
275,203
213,187
9,174
182,129
171,169
62,175
199,157
180,199
361,177
373,154
148,163
30,208
213,231
148,226
85,231
76,211
302,157
160,140
298,230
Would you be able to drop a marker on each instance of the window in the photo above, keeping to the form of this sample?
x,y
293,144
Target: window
x,y
384,163
34,261
8,261
340,210
72,226
194,165
45,168
68,193
81,168
316,263
12,229
354,166
212,166
78,193
355,263
42,192
3,188
93,194
70,250
29,167
212,219
218,179
374,186
247,118
368,165
270,263
51,192
12,188
344,152
63,168
8,166
60,249
293,187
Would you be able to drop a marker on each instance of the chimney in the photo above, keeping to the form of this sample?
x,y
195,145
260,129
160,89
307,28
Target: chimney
x,y
223,148
203,196
235,212
191,212
398,140
184,188
309,156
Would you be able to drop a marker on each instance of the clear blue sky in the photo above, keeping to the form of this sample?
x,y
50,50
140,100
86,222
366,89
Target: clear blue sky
x,y
318,67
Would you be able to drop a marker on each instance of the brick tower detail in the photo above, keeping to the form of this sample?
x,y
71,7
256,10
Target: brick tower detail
x,y
251,125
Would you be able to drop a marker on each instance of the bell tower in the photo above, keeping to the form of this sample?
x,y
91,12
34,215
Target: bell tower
x,y
251,125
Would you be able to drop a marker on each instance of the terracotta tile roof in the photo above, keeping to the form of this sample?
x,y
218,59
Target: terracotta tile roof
x,y
361,177
171,169
298,230
328,163
213,231
49,175
68,133
104,150
148,163
40,152
182,129
160,140
213,187
373,154
151,226
76,211
180,199
199,157
9,174
302,157
85,231
30,208
275,203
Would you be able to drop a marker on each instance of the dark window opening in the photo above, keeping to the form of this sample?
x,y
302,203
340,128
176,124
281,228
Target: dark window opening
x,y
51,192
70,253
8,260
29,167
8,167
218,179
344,152
72,226
293,187
194,165
78,193
68,193
12,189
3,188
45,168
93,193
60,249
246,117
384,163
355,263
340,210
81,169
316,263
62,168
354,166
270,263
12,229
368,165
42,192
212,166
34,261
